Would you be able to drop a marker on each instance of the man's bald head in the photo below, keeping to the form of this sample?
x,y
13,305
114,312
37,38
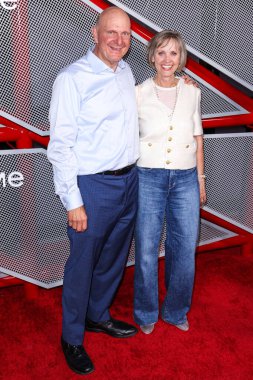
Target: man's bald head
x,y
110,11
112,34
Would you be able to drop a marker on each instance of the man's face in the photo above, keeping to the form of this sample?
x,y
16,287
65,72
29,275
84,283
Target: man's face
x,y
112,36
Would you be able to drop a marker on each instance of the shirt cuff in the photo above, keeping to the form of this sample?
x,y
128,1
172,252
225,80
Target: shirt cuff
x,y
73,200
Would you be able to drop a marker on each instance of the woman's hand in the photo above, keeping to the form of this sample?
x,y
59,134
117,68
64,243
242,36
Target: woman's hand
x,y
202,190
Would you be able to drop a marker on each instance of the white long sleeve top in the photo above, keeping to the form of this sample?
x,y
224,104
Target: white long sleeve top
x,y
93,123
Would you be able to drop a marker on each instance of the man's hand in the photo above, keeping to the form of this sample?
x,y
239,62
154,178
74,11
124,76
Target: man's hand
x,y
77,219
189,80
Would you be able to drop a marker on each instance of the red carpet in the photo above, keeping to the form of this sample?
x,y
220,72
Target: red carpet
x,y
219,344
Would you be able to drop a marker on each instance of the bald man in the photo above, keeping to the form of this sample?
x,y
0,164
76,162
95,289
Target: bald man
x,y
93,148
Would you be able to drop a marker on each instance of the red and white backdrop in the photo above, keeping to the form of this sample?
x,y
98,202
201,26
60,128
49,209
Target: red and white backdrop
x,y
39,38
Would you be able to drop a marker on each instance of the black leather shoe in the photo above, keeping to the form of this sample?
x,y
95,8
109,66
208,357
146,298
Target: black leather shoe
x,y
112,327
77,358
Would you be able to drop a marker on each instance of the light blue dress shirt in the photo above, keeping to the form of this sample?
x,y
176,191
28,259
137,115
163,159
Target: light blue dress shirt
x,y
93,123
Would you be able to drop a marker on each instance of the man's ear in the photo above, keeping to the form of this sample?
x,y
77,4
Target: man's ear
x,y
94,34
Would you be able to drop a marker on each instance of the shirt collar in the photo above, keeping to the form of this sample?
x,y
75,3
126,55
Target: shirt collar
x,y
98,66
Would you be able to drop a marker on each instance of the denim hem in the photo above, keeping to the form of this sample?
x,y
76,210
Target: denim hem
x,y
175,323
142,323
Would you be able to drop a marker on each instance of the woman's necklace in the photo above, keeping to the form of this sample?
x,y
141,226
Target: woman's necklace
x,y
158,97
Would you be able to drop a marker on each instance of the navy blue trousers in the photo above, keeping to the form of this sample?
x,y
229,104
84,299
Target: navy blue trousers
x,y
98,255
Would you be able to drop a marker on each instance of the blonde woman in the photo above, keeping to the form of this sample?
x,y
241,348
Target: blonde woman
x,y
171,184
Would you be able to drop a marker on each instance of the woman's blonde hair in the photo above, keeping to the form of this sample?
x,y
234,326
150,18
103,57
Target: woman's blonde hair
x,y
162,38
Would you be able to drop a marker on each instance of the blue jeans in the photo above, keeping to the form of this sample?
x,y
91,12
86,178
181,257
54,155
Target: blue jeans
x,y
172,195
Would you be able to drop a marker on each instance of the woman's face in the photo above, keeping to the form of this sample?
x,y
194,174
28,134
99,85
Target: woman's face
x,y
167,58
